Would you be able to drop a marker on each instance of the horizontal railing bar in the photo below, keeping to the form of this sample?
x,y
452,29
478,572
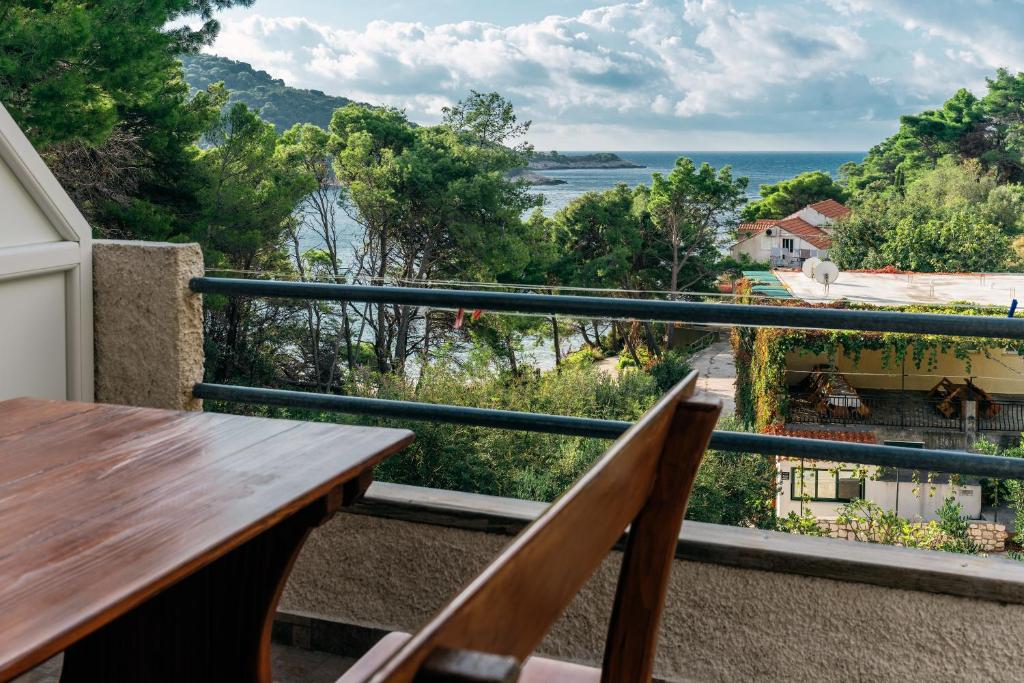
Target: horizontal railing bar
x,y
957,462
605,307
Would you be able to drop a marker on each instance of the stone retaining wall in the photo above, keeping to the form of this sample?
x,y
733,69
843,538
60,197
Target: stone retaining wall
x,y
989,536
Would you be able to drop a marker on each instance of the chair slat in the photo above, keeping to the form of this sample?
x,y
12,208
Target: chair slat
x,y
509,608
647,563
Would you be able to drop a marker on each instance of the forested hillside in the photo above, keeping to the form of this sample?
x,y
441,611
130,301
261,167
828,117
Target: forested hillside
x,y
946,192
274,101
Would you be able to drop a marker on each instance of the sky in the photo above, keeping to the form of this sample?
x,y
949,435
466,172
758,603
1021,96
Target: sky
x,y
645,75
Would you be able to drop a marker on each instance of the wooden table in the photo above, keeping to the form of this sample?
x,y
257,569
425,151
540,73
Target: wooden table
x,y
153,545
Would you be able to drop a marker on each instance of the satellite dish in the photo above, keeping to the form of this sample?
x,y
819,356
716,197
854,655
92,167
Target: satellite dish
x,y
826,273
809,266
769,232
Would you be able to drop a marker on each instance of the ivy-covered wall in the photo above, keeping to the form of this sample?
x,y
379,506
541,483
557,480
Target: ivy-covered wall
x,y
762,394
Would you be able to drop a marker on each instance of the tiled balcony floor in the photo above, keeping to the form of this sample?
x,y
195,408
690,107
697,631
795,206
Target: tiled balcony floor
x,y
290,665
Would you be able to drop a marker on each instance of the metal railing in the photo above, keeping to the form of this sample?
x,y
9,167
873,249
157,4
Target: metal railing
x,y
908,410
604,308
894,408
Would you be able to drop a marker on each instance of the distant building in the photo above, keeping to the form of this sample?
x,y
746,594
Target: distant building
x,y
822,487
787,242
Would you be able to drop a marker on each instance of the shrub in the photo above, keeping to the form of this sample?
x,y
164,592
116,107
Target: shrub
x,y
669,370
734,488
804,524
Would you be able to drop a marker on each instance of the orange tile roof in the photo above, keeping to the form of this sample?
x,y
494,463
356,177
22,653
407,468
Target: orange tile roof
x,y
805,231
830,208
823,434
757,226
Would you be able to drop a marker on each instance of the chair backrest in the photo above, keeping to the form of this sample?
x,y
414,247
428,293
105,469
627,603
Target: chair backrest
x,y
642,481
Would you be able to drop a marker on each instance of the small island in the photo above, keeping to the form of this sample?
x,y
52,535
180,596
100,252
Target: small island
x,y
553,161
534,179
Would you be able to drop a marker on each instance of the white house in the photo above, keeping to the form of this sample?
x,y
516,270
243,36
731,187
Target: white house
x,y
789,241
45,279
822,487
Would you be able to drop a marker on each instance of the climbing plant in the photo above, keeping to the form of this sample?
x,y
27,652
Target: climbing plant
x,y
762,395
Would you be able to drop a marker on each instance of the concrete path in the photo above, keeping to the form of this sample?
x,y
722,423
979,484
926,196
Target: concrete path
x,y
715,365
609,366
717,373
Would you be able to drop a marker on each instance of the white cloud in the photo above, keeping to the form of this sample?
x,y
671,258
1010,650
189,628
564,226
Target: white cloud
x,y
776,68
986,32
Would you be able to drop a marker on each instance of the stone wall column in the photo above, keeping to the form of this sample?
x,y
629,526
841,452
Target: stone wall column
x,y
970,409
148,323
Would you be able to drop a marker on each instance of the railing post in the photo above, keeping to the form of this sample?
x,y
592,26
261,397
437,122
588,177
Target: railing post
x,y
148,323
970,423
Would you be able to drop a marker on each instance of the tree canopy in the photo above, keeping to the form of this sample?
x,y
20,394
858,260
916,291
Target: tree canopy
x,y
788,196
945,192
692,207
988,129
97,88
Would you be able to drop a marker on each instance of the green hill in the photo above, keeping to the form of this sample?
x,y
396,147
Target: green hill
x,y
276,102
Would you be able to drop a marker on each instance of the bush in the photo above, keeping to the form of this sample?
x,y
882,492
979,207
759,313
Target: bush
x,y
954,525
804,524
734,488
731,488
669,370
873,524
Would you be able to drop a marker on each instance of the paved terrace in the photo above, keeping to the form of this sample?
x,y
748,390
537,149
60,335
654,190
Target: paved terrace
x,y
886,289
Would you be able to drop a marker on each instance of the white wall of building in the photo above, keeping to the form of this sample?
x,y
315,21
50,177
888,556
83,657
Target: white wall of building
x,y
762,246
813,217
45,279
916,501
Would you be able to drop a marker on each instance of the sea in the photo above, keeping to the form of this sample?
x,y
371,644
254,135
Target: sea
x,y
761,168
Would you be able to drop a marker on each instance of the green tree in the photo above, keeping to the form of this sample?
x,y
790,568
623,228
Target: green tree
x,y
734,488
607,239
961,241
307,147
248,196
789,196
434,202
98,90
931,224
857,240
691,209
989,129
1001,139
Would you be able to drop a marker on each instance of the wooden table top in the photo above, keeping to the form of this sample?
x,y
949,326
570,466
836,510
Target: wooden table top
x,y
102,506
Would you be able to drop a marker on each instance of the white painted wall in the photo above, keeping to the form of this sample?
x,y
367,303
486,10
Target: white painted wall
x,y
45,279
917,501
759,247
813,217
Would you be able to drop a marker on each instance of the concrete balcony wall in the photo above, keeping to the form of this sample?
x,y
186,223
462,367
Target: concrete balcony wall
x,y
743,604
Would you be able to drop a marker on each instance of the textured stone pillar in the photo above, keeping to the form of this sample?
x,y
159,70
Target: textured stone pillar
x,y
970,424
148,324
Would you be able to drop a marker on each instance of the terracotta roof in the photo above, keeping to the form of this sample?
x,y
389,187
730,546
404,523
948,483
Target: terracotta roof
x,y
757,226
824,434
807,232
830,208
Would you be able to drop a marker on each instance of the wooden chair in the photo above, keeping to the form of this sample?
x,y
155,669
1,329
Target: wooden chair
x,y
489,630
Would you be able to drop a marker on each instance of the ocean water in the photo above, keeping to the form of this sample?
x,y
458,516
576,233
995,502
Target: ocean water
x,y
760,167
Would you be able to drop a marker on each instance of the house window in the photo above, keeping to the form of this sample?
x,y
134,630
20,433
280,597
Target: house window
x,y
828,486
787,244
